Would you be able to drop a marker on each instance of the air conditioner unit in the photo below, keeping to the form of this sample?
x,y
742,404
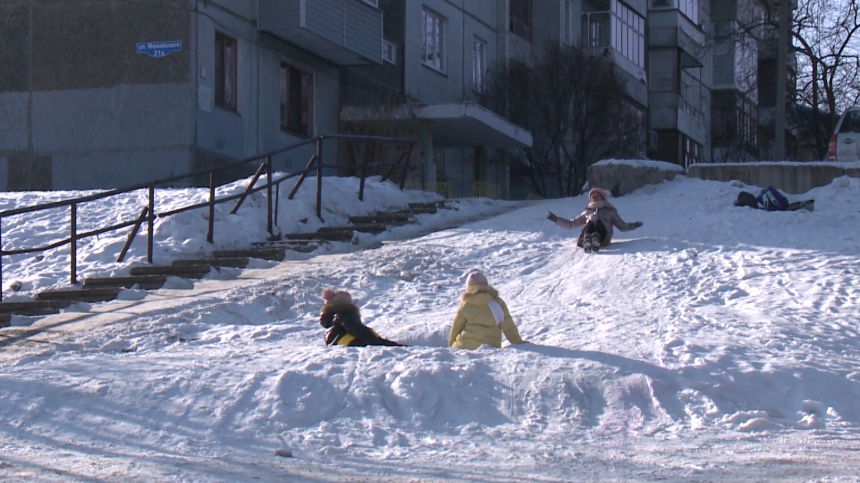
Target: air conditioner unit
x,y
651,139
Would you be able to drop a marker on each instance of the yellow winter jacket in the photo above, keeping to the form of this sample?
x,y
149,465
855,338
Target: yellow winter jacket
x,y
475,323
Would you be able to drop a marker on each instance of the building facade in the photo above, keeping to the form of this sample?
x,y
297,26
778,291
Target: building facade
x,y
437,56
109,93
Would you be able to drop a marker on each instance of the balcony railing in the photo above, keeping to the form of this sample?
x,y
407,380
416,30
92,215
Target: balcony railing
x,y
345,32
690,8
685,106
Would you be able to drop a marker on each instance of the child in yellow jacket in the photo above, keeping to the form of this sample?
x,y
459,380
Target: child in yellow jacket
x,y
482,317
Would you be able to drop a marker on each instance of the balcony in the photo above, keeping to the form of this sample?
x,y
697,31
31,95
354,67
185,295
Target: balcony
x,y
673,112
344,32
672,29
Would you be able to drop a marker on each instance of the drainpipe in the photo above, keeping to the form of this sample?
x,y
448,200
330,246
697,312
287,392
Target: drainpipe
x,y
30,147
194,36
781,75
425,154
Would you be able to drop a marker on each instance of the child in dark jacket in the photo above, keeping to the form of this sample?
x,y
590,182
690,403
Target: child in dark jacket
x,y
343,321
596,221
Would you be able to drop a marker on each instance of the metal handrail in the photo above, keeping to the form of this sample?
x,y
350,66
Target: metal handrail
x,y
148,213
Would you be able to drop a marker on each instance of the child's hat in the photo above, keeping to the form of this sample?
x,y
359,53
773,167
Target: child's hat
x,y
600,191
341,296
476,278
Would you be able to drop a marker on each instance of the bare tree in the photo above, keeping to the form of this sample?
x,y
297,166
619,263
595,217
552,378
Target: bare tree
x,y
826,38
395,118
826,48
575,106
735,84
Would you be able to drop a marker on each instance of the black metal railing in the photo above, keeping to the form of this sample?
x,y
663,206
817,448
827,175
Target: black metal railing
x,y
148,213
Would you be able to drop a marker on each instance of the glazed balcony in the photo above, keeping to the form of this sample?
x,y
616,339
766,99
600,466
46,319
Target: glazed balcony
x,y
345,32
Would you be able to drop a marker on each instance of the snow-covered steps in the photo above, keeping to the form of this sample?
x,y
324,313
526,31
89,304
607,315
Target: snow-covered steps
x,y
340,235
398,218
184,271
362,227
302,246
34,307
424,208
233,260
261,252
145,282
99,294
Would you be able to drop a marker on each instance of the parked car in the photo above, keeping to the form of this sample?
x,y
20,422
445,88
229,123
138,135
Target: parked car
x,y
845,142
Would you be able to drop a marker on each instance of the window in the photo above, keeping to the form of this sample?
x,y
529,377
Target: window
x,y
568,22
479,64
520,14
690,8
389,52
629,33
375,3
692,151
225,71
850,123
297,93
747,113
691,92
734,121
596,29
433,35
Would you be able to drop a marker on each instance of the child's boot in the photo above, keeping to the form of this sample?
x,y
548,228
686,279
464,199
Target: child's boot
x,y
595,242
586,243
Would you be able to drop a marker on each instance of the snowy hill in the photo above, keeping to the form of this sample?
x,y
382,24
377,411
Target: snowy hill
x,y
715,343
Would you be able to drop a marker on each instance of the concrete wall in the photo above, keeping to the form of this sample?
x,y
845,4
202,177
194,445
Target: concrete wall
x,y
463,22
627,176
79,107
223,135
381,84
789,177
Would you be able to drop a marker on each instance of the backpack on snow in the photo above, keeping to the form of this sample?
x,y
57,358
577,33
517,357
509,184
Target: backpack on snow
x,y
771,199
745,198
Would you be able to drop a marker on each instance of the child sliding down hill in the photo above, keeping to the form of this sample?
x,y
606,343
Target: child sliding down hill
x,y
343,321
482,317
598,217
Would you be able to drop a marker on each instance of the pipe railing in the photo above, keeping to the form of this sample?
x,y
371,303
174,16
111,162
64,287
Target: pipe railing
x,y
148,213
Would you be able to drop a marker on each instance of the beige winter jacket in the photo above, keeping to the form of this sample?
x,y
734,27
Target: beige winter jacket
x,y
598,210
475,323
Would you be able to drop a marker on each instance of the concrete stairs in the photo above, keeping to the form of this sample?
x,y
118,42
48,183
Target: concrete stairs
x,y
151,277
33,307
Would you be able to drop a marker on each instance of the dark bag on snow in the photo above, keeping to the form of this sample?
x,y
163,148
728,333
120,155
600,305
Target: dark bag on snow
x,y
771,199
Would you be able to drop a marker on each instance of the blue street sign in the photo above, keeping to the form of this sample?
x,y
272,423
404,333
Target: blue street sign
x,y
159,49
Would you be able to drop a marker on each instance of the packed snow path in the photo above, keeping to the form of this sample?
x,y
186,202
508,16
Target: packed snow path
x,y
714,343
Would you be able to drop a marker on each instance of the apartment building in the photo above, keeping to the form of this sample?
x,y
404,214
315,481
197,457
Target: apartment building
x,y
437,55
678,88
735,95
110,93
767,77
605,27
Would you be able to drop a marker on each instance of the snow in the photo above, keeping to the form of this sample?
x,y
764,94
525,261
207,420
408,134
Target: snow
x,y
715,343
643,163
